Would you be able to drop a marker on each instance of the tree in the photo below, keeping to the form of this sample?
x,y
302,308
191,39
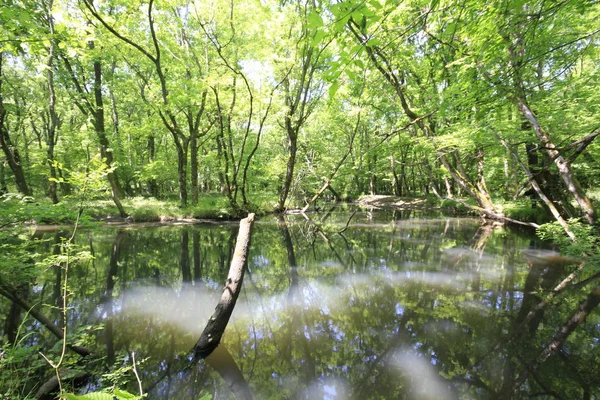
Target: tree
x,y
193,105
302,88
11,152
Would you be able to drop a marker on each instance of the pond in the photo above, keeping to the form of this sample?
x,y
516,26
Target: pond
x,y
334,305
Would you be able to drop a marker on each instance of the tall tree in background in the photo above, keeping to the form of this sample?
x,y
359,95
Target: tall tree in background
x,y
53,121
11,152
96,111
302,88
192,100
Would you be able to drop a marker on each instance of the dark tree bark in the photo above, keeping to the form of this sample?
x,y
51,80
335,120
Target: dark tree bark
x,y
100,127
53,120
151,184
3,186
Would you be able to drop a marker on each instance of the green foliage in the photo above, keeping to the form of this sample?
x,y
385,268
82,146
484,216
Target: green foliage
x,y
18,257
523,210
585,247
116,394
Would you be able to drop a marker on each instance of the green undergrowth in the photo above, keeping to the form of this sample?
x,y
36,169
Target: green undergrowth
x,y
526,211
17,209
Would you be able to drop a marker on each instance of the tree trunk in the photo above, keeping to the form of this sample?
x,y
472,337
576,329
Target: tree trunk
x,y
181,174
564,168
3,187
105,151
211,336
196,255
535,185
584,309
289,171
151,184
194,167
222,362
53,120
11,153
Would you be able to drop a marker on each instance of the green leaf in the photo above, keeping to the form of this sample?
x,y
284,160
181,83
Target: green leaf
x,y
122,394
333,89
314,20
373,42
89,396
319,35
375,4
118,394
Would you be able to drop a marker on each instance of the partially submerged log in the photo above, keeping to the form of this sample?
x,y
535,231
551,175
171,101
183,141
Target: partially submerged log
x,y
211,336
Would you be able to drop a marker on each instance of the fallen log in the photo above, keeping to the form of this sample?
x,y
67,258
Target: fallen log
x,y
211,336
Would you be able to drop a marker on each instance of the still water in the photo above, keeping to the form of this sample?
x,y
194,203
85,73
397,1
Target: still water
x,y
370,305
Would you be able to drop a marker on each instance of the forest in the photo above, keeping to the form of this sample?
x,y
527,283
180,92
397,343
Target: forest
x,y
271,103
143,111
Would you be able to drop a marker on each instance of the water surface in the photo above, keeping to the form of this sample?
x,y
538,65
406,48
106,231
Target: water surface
x,y
397,305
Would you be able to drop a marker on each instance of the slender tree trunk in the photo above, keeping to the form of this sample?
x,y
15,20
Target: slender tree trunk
x,y
291,163
396,183
222,362
151,184
584,309
105,151
53,120
108,295
194,166
181,174
3,187
12,156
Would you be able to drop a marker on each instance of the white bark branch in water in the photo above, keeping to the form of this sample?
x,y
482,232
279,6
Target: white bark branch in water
x,y
211,336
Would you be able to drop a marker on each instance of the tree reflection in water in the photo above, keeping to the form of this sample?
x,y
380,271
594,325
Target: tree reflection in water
x,y
414,308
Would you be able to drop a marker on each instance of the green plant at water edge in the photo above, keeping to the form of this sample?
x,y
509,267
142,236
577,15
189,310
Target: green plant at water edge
x,y
585,247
